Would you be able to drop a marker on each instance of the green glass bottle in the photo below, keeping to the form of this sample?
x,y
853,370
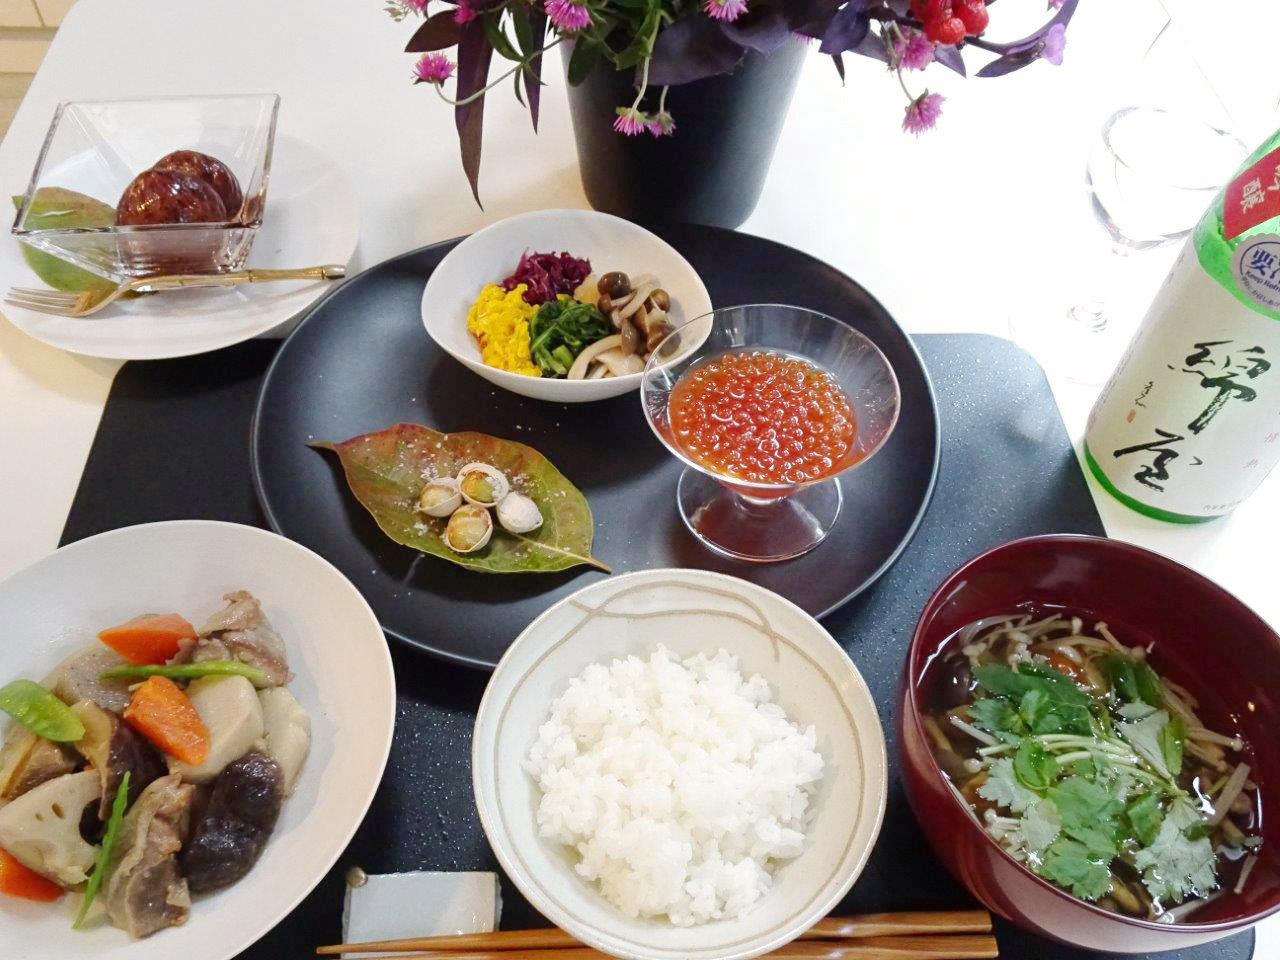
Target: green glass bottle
x,y
1188,425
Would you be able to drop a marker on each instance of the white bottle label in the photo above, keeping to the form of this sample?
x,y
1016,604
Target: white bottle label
x,y
1189,423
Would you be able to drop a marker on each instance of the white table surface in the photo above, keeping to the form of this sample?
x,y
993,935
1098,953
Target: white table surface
x,y
951,231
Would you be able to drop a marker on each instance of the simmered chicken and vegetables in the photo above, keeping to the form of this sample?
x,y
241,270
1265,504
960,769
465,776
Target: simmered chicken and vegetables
x,y
1091,768
149,766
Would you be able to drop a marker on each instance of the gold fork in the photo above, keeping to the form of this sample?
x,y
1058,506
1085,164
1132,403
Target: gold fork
x,y
86,302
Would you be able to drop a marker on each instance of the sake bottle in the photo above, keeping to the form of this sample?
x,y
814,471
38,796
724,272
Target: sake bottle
x,y
1189,423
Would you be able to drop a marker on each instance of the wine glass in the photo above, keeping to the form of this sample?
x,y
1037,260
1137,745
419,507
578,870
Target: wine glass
x,y
1151,171
768,522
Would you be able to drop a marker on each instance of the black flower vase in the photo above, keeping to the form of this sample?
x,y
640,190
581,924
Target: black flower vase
x,y
712,169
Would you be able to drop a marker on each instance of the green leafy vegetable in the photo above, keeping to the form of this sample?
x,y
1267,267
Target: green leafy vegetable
x,y
53,208
102,863
1002,788
1174,866
562,329
387,470
997,716
1120,671
1145,816
1172,737
1069,864
1150,687
1035,767
1083,802
37,709
1147,737
1047,701
1041,825
187,671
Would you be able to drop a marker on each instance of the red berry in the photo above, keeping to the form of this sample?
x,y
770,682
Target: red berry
x,y
926,10
974,15
946,30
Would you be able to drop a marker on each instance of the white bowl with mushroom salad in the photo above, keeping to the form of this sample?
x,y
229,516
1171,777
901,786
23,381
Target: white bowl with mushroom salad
x,y
610,245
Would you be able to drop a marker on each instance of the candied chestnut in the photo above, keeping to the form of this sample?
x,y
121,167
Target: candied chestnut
x,y
162,196
209,169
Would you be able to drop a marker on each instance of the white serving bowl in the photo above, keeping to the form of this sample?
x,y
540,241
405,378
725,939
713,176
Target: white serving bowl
x,y
689,611
491,254
342,676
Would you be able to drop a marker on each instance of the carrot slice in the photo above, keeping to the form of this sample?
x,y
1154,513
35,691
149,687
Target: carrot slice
x,y
151,638
19,880
162,713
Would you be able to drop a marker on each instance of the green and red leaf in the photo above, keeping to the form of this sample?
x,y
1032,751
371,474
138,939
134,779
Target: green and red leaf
x,y
387,470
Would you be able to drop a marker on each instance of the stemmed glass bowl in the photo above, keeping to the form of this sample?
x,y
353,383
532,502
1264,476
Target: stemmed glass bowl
x,y
767,522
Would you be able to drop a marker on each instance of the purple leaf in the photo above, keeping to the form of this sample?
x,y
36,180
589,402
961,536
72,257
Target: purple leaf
x,y
838,60
533,75
1012,61
692,48
872,46
950,58
901,8
764,34
811,14
474,54
438,32
848,28
1063,16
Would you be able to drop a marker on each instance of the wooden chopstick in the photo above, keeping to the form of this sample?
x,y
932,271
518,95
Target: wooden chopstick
x,y
832,928
965,946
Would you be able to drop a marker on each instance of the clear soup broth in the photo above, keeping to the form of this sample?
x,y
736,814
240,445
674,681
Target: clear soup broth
x,y
1092,767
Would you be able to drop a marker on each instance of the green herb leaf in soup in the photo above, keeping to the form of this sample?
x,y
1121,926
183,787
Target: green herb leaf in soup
x,y
53,208
388,470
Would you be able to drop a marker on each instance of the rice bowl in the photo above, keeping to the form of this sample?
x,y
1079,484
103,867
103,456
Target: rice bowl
x,y
690,612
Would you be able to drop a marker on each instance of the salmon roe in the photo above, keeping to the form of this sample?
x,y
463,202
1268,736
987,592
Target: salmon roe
x,y
762,417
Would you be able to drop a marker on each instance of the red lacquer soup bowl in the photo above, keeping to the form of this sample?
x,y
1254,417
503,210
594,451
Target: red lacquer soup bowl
x,y
1203,638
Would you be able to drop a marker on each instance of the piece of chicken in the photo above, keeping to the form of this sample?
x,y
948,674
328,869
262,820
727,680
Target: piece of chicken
x,y
145,890
239,631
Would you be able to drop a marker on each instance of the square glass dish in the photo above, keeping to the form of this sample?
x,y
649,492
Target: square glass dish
x,y
97,148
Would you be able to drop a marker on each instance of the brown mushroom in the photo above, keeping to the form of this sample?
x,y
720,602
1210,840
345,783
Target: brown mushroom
x,y
614,284
630,338
113,749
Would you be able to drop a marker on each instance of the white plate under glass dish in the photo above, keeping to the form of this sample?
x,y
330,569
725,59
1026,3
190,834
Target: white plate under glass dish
x,y
342,676
490,255
690,611
312,217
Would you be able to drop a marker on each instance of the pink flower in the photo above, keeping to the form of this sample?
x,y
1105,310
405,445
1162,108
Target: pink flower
x,y
922,113
725,11
464,13
414,6
1055,41
568,15
661,124
432,68
914,50
631,122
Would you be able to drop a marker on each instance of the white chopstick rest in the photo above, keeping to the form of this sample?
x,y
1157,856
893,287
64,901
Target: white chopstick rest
x,y
390,906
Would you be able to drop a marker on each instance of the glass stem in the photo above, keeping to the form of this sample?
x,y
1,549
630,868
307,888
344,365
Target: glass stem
x,y
1094,314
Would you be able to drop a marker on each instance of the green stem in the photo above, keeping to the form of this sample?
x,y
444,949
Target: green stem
x,y
520,65
644,83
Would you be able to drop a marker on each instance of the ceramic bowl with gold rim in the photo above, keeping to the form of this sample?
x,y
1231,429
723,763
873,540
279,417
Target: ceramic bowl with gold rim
x,y
689,612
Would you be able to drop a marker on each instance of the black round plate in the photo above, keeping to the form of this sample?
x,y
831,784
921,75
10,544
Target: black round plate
x,y
362,361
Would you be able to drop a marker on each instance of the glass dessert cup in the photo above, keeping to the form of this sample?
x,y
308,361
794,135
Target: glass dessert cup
x,y
96,148
769,522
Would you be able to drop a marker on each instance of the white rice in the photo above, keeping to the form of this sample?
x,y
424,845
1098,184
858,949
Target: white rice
x,y
680,784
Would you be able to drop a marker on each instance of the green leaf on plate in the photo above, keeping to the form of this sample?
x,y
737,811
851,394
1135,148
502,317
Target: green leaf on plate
x,y
54,208
387,470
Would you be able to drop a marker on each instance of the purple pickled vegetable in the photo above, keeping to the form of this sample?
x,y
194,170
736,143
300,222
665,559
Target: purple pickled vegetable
x,y
545,275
